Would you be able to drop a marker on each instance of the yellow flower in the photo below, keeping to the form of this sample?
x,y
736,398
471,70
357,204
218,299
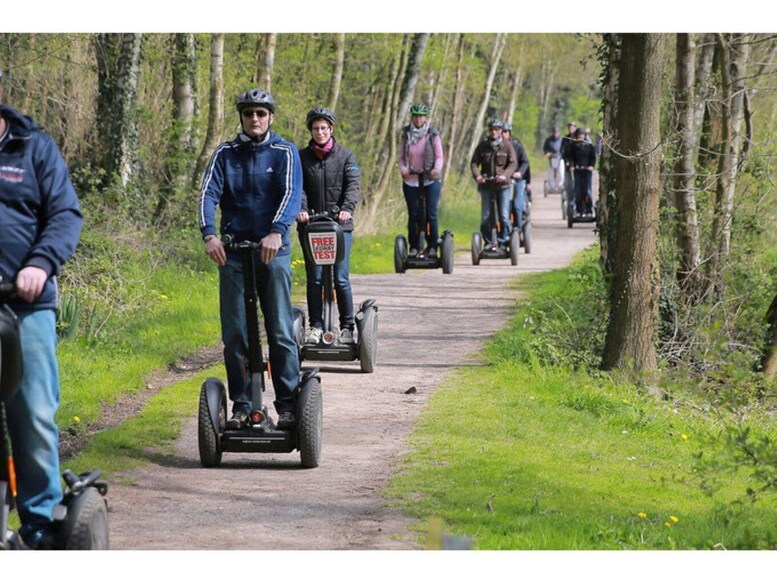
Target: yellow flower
x,y
667,524
76,419
163,296
674,519
684,437
641,515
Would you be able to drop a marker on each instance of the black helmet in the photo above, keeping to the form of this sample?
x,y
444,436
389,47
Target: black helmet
x,y
319,112
507,127
579,132
495,123
555,128
419,110
256,97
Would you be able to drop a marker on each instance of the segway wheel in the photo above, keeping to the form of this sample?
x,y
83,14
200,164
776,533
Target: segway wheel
x,y
207,434
515,246
563,207
311,424
545,189
477,246
527,237
447,253
368,341
86,523
570,215
400,254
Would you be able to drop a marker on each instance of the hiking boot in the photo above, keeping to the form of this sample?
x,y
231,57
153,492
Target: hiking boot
x,y
286,421
314,337
413,252
237,421
431,252
346,336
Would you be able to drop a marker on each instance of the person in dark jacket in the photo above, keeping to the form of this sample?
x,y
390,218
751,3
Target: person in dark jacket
x,y
330,177
256,181
583,157
566,147
519,181
552,150
420,151
493,164
40,225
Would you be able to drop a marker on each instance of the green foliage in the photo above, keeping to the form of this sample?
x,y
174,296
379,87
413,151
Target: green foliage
x,y
555,455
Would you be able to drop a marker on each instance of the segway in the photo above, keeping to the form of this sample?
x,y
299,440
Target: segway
x,y
81,518
509,251
322,244
260,434
444,259
551,186
521,220
574,216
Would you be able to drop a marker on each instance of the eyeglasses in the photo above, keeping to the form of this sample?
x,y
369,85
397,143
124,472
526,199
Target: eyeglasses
x,y
320,128
259,113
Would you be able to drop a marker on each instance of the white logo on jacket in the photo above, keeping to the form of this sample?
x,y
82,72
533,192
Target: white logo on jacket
x,y
11,174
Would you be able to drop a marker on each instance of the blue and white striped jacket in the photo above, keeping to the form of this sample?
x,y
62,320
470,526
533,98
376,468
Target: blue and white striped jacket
x,y
257,185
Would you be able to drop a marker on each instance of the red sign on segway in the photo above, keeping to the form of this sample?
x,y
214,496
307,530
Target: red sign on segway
x,y
323,246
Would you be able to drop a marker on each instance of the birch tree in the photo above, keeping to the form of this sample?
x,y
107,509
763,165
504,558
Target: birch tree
x,y
631,331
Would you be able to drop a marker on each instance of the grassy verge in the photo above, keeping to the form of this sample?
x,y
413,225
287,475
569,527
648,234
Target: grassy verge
x,y
532,452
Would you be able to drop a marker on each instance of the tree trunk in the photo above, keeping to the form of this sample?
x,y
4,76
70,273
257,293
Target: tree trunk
x,y
457,103
266,74
735,49
607,219
337,73
124,131
517,84
548,77
769,360
216,107
496,56
631,332
184,66
685,171
407,93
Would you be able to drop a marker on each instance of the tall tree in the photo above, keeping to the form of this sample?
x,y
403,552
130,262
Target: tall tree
x,y
610,54
735,50
420,41
631,331
265,60
337,72
184,66
496,56
216,108
685,169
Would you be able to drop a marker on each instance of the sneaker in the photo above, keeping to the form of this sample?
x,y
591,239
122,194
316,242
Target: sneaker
x,y
286,421
314,337
237,421
346,336
413,252
431,252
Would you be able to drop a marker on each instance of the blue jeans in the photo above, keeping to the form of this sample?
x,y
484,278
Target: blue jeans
x,y
273,283
519,201
33,431
315,286
583,191
416,224
503,196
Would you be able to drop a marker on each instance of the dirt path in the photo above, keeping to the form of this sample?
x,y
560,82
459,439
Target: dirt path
x,y
429,324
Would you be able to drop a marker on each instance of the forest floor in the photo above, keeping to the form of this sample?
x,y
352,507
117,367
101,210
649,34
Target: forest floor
x,y
429,324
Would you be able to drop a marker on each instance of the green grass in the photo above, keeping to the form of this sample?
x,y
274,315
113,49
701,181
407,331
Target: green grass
x,y
525,454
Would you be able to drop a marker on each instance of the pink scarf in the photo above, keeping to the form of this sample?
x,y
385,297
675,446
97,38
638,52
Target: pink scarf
x,y
322,151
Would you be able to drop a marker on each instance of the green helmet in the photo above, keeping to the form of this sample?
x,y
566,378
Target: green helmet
x,y
419,110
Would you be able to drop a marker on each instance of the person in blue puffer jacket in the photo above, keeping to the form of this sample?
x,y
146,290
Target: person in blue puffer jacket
x,y
256,181
40,225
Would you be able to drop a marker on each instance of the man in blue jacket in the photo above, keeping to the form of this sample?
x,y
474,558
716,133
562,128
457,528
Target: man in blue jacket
x,y
256,181
40,225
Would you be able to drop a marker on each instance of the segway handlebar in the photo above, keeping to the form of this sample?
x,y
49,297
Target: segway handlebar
x,y
326,215
7,288
231,243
